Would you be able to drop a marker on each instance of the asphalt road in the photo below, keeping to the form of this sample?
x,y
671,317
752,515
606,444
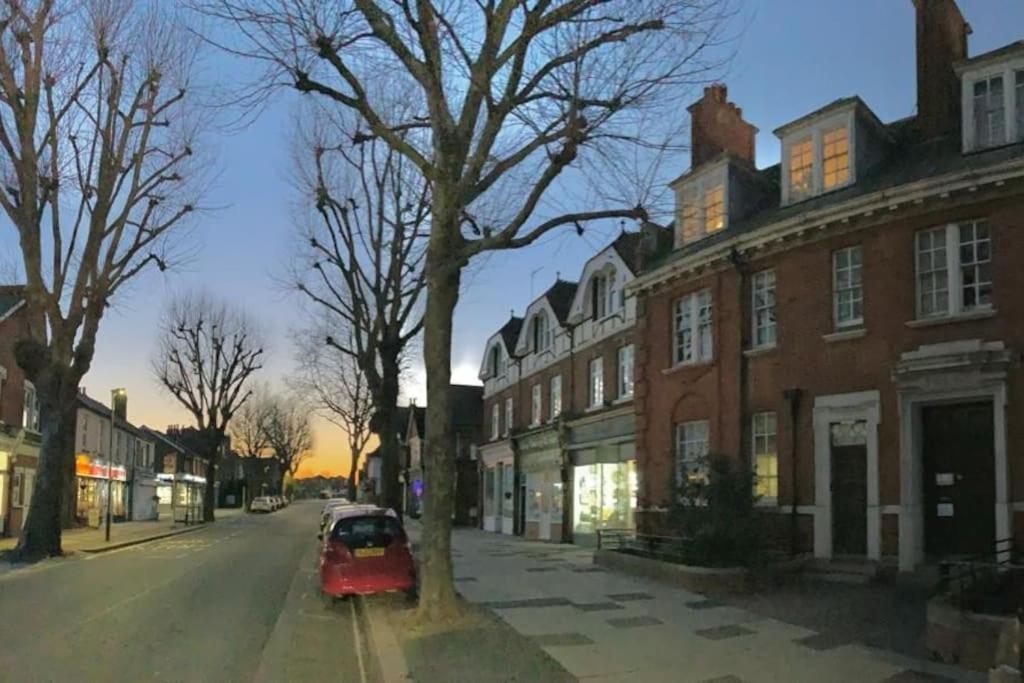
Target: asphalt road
x,y
236,601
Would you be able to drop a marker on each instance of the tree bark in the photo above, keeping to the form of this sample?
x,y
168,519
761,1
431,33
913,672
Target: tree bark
x,y
41,536
437,590
390,457
210,491
353,469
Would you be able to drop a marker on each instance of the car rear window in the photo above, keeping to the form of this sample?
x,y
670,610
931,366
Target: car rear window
x,y
368,530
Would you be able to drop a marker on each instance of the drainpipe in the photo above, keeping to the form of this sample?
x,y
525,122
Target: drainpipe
x,y
568,481
792,397
739,264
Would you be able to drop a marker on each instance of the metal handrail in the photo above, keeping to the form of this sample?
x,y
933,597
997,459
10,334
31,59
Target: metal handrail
x,y
966,572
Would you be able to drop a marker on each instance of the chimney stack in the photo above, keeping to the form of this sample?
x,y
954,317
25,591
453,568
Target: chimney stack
x,y
121,406
941,43
716,126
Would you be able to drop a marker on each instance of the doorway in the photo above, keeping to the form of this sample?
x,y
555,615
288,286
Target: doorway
x,y
849,488
958,453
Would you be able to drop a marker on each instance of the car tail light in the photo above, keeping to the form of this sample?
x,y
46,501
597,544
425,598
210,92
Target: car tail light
x,y
338,551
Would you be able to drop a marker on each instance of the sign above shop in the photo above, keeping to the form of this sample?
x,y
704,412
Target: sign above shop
x,y
87,467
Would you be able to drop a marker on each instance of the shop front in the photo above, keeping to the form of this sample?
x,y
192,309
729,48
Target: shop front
x,y
498,485
143,496
180,496
604,478
96,480
540,464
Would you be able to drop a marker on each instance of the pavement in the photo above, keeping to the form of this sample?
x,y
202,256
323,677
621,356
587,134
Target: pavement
x,y
90,540
236,600
607,626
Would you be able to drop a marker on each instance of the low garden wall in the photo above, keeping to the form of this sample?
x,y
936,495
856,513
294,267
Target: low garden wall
x,y
708,580
961,637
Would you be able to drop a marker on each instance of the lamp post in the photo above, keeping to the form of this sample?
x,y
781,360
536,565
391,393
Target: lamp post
x,y
115,394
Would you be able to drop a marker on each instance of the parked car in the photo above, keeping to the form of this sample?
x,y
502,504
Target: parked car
x,y
261,504
329,507
277,502
365,551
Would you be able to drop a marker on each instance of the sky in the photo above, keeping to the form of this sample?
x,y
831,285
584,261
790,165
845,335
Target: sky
x,y
790,58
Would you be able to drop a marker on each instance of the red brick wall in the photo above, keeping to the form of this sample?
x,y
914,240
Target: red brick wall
x,y
13,392
803,359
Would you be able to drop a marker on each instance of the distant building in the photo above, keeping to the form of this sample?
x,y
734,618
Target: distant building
x,y
181,478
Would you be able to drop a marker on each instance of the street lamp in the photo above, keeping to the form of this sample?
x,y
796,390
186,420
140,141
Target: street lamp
x,y
115,395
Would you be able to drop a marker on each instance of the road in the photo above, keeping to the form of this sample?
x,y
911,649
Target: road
x,y
235,601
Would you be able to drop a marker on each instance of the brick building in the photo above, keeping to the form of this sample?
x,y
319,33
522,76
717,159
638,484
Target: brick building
x,y
557,459
849,322
19,417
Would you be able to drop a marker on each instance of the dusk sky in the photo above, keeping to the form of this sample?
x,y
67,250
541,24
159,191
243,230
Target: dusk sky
x,y
791,57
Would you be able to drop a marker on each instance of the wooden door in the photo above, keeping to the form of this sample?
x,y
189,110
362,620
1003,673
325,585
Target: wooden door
x,y
849,500
958,451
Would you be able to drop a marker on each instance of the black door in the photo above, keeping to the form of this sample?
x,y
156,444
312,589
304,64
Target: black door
x,y
849,500
958,450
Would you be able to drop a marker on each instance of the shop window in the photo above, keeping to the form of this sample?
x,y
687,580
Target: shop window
x,y
605,497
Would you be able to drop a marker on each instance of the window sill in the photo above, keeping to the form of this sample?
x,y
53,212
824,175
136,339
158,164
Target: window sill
x,y
953,318
679,367
845,335
622,399
760,351
594,409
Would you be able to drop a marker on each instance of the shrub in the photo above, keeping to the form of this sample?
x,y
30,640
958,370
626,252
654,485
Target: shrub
x,y
716,514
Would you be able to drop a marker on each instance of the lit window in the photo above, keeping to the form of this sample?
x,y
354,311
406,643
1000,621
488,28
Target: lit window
x,y
495,421
763,288
535,405
691,450
848,294
689,219
508,416
801,169
626,371
954,269
835,158
691,337
596,383
714,208
766,457
989,113
556,396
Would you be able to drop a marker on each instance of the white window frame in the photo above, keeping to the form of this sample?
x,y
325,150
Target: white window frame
x,y
595,382
693,440
536,405
541,331
763,323
954,271
693,193
555,389
816,132
625,374
495,421
764,444
509,416
1013,117
702,350
30,409
855,286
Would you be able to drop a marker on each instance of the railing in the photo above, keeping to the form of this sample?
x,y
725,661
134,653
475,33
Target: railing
x,y
965,574
613,539
671,548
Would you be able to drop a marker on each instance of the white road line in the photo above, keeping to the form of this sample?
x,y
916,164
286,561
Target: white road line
x,y
359,643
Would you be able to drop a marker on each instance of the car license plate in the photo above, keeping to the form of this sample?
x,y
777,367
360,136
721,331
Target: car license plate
x,y
369,552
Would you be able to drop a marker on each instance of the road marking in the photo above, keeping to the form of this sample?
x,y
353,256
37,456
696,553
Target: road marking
x,y
310,615
359,643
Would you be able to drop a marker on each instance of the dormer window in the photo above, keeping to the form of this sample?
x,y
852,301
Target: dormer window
x,y
541,332
836,157
495,364
993,101
817,160
602,295
714,208
702,204
801,169
989,112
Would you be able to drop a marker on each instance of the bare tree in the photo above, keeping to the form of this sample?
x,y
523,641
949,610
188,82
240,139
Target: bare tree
x,y
361,266
289,435
512,101
249,431
97,133
340,393
206,356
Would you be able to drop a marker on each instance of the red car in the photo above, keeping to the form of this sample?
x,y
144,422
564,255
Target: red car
x,y
366,551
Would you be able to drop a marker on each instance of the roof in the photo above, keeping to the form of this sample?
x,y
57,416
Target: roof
x,y
908,160
95,406
467,401
991,56
160,436
560,296
842,103
510,332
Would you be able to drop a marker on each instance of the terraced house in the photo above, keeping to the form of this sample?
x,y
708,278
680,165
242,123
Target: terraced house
x,y
557,459
850,321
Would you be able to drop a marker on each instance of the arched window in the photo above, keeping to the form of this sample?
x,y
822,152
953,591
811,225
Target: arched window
x,y
603,301
541,332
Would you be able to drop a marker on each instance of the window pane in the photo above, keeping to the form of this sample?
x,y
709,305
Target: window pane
x,y
846,283
801,158
714,208
688,218
932,288
975,265
989,113
836,158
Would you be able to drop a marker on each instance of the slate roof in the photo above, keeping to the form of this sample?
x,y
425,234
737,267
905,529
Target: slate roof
x,y
560,297
510,332
100,409
908,160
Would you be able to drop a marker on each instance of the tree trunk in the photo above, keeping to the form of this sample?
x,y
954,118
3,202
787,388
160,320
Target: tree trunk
x,y
353,469
390,457
41,534
69,504
437,590
210,491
